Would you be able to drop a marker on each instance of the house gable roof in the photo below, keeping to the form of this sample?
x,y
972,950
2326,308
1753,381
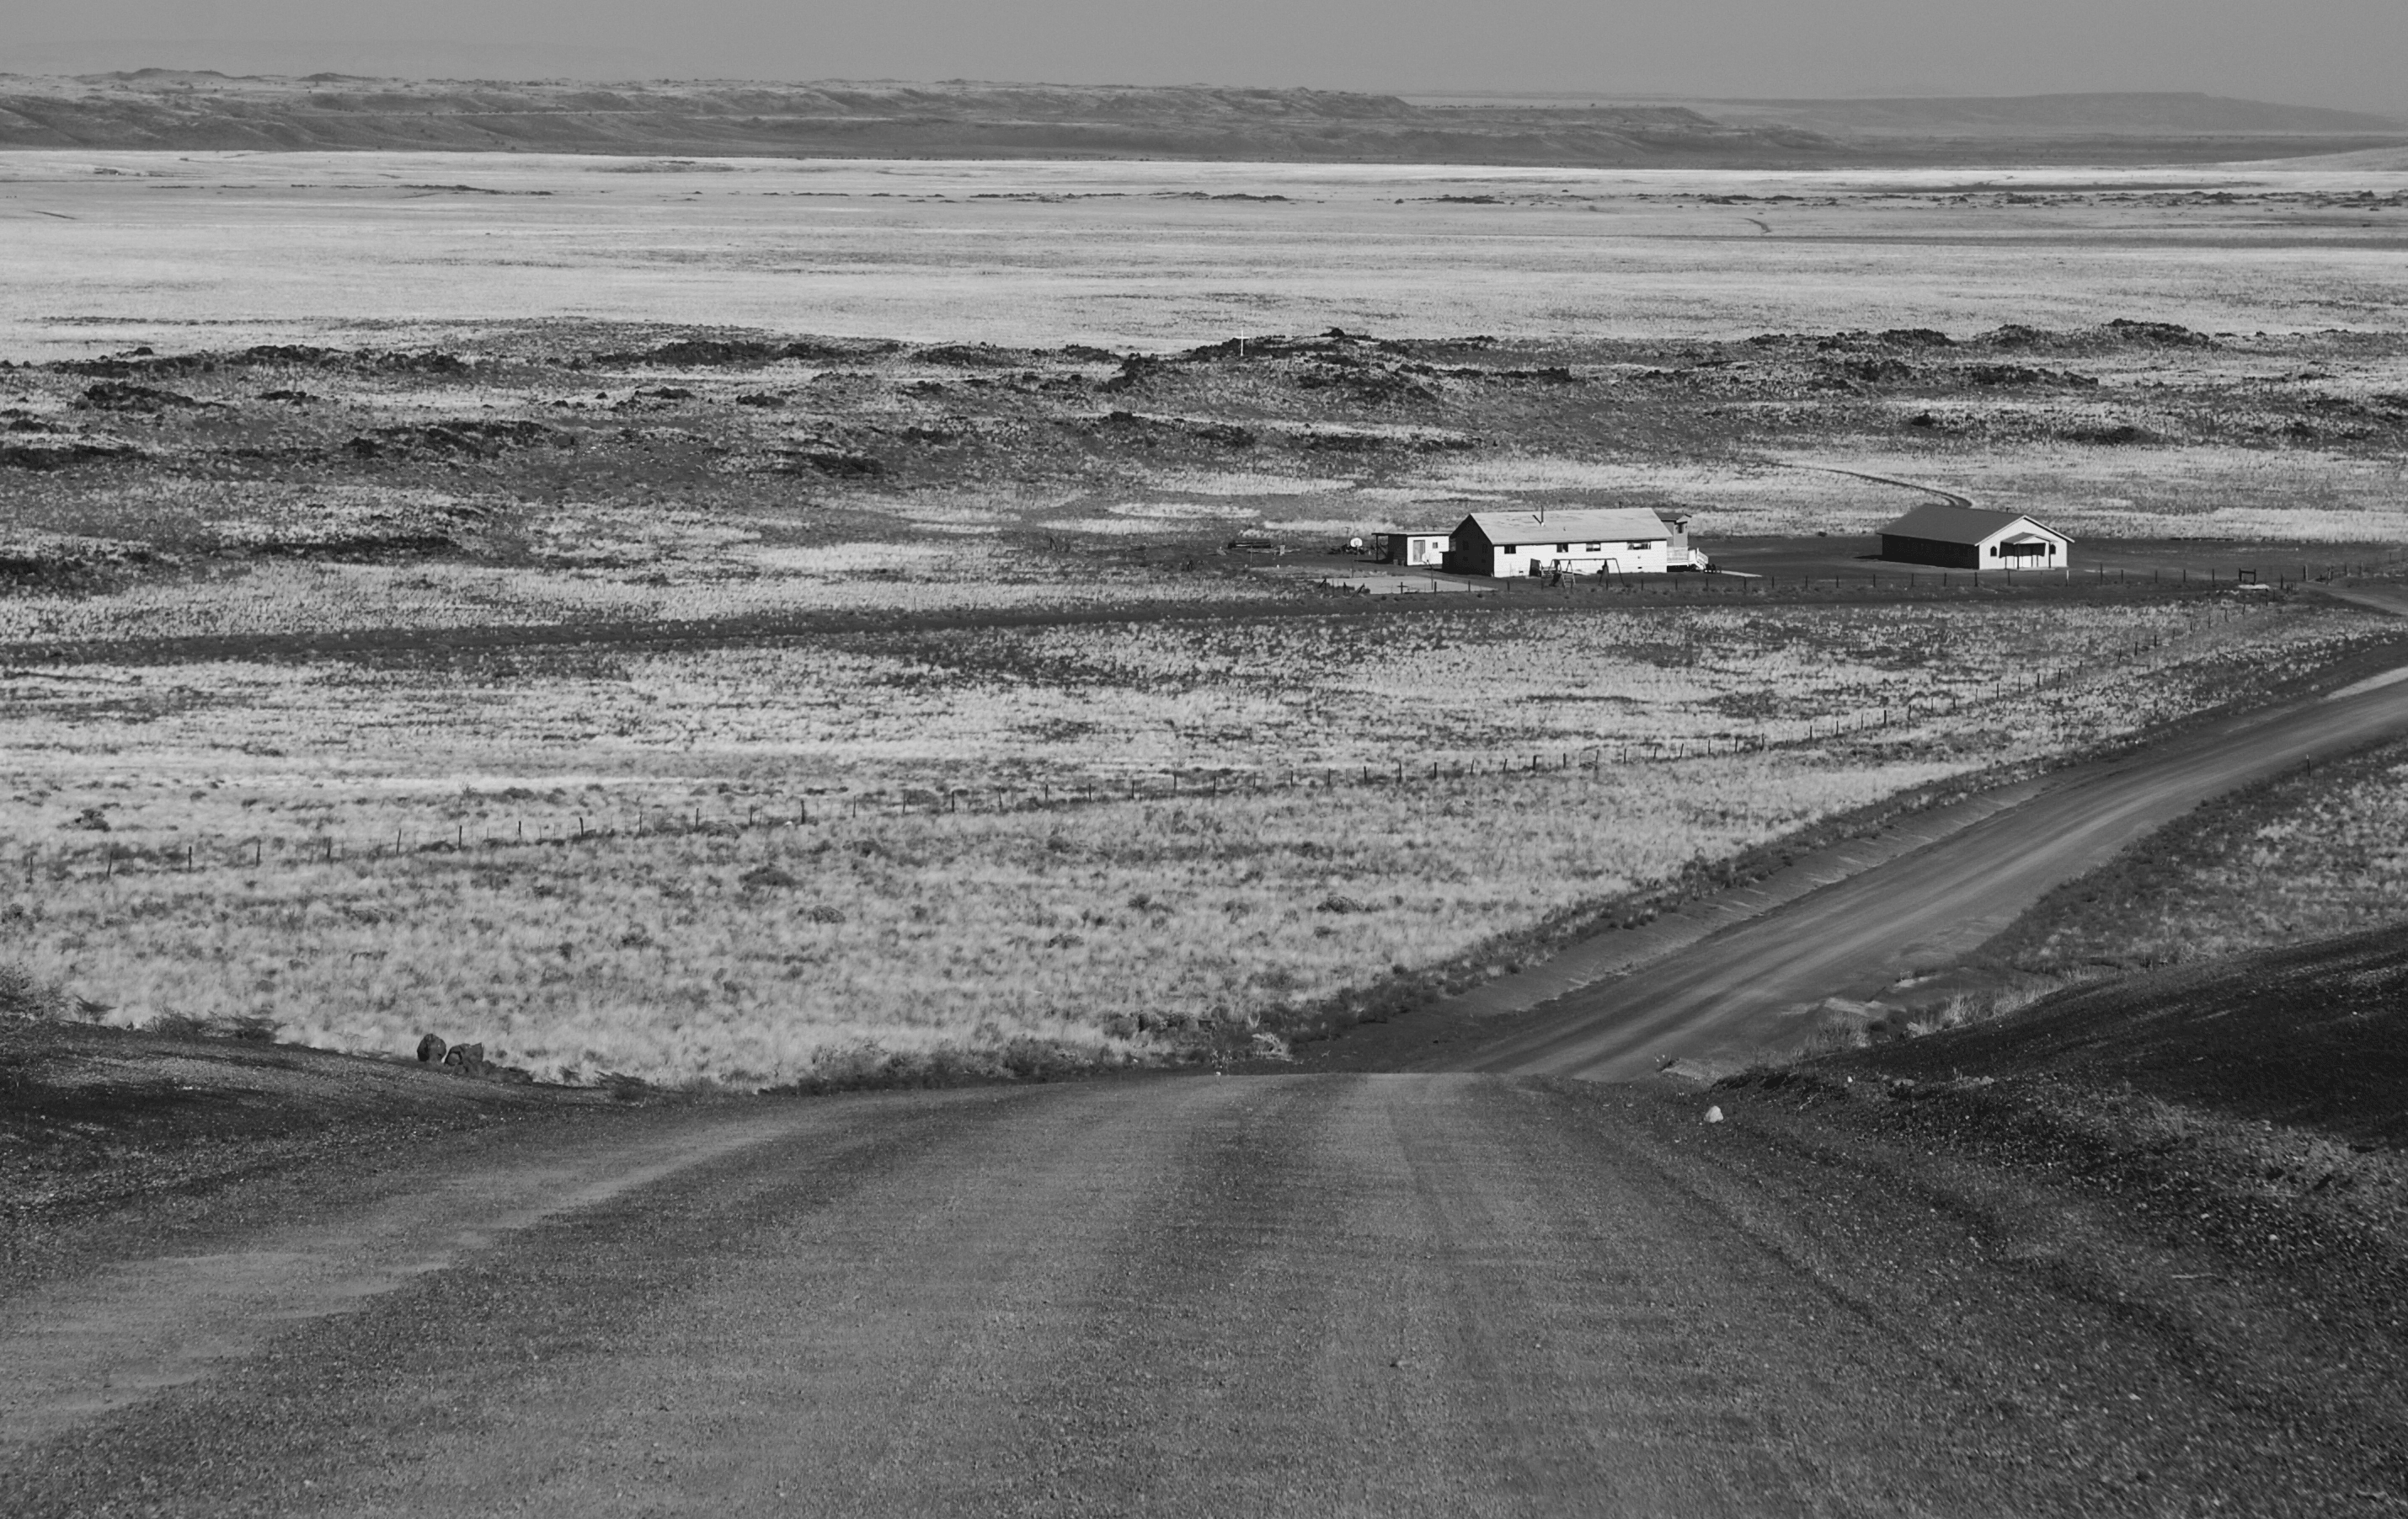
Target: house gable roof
x,y
1592,525
1939,523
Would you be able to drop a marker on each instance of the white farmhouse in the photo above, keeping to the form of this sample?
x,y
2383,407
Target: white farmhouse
x,y
1580,540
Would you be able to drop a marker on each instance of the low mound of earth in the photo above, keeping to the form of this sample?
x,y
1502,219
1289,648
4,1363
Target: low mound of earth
x,y
2312,1038
183,109
111,1138
2229,1134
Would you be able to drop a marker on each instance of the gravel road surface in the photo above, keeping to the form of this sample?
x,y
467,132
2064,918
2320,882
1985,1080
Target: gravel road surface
x,y
1746,989
1257,1295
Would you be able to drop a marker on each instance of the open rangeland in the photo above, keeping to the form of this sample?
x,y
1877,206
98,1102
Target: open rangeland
x,y
951,748
762,710
1044,844
692,627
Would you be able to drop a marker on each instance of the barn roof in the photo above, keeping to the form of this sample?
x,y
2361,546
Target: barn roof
x,y
1959,524
1594,524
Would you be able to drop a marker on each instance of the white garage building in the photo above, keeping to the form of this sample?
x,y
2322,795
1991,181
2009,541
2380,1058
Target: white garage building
x,y
1972,538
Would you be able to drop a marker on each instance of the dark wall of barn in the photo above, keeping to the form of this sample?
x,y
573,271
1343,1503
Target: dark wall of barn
x,y
1908,550
1470,552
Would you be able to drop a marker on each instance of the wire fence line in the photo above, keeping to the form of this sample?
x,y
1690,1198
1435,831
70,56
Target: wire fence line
x,y
570,828
1723,583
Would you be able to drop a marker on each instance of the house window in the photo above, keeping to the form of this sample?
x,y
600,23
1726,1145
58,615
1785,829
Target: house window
x,y
1594,548
1642,544
1562,548
1508,548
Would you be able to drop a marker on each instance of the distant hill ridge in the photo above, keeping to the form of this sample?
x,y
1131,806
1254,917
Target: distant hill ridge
x,y
187,111
2085,114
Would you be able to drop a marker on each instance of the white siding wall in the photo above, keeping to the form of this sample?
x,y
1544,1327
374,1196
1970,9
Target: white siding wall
x,y
1617,557
2051,561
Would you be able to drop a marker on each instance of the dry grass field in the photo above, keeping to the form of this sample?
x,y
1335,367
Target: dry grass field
x,y
1034,771
1079,843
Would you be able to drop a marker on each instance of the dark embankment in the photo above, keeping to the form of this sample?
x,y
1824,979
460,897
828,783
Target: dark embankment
x,y
186,111
2312,1038
2248,1115
112,1138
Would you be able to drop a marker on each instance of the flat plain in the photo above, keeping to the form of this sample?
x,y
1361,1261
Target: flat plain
x,y
711,634
116,248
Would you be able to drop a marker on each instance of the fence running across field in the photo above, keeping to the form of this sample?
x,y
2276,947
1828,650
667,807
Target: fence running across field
x,y
571,828
1720,583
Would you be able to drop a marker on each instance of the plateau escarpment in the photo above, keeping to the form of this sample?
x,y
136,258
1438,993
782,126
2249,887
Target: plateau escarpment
x,y
160,109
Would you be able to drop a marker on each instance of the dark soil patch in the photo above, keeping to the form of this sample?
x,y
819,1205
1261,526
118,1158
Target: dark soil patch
x,y
118,395
2313,1036
105,1133
478,439
61,454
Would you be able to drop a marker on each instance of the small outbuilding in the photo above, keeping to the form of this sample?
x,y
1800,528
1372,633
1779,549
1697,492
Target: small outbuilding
x,y
1420,549
1972,538
1578,540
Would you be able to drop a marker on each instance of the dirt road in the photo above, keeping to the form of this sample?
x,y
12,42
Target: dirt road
x,y
1746,988
1312,1295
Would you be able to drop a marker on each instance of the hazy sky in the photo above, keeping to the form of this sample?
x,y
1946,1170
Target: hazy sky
x,y
2338,52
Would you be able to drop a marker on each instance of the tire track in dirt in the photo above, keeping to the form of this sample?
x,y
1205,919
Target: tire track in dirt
x,y
83,1349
